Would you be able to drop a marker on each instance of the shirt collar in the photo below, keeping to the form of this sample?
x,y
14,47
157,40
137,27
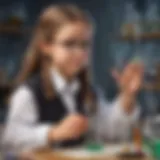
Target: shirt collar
x,y
61,85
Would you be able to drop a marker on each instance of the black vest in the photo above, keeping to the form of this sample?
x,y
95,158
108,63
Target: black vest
x,y
53,110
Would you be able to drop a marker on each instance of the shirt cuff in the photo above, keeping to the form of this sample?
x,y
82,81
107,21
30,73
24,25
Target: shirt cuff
x,y
42,135
41,139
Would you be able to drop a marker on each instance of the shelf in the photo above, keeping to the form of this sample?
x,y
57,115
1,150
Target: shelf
x,y
152,87
145,36
12,30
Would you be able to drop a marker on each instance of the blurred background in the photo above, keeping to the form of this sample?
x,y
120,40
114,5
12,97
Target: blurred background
x,y
126,30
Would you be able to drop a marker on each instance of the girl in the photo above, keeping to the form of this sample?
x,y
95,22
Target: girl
x,y
54,94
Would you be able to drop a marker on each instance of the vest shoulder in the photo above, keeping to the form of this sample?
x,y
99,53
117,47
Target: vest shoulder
x,y
33,82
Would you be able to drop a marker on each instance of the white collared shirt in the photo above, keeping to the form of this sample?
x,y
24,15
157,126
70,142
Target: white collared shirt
x,y
23,132
66,90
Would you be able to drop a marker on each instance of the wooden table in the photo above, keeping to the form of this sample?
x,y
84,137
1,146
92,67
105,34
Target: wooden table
x,y
48,154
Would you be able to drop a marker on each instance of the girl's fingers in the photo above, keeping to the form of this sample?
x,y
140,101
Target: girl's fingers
x,y
131,77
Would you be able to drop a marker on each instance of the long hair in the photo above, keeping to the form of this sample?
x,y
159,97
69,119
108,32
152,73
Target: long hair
x,y
49,22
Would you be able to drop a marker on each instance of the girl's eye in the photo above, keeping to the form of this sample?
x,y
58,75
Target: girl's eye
x,y
72,44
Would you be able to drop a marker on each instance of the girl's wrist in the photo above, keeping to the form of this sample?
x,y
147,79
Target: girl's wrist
x,y
53,135
128,101
128,93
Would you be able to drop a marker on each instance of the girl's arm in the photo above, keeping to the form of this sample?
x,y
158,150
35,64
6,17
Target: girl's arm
x,y
121,115
22,130
113,122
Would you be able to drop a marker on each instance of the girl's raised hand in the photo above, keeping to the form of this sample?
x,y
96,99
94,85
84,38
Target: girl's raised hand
x,y
129,82
130,79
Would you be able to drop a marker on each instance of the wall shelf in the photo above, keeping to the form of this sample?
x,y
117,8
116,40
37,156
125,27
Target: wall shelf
x,y
6,29
144,36
152,87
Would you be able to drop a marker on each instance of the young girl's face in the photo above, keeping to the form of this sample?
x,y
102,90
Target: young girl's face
x,y
71,47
